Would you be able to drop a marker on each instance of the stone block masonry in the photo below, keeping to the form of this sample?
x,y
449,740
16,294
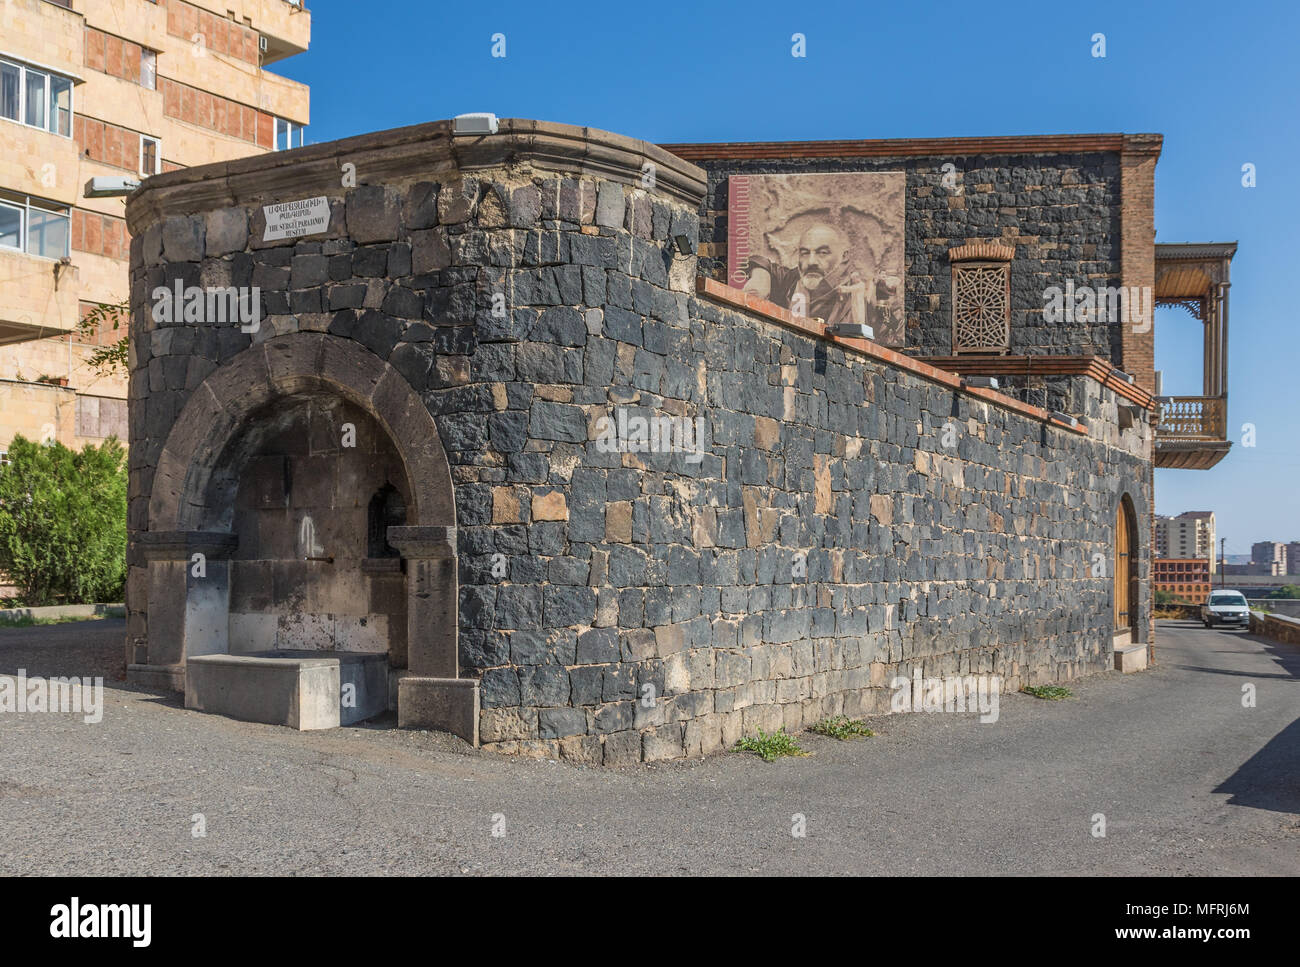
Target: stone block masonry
x,y
1077,208
845,516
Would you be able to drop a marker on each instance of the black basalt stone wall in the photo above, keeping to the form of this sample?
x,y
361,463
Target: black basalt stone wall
x,y
1060,211
844,520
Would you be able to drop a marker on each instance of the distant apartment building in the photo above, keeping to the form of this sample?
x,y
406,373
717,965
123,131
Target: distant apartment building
x,y
113,88
1188,579
1293,557
1190,534
1271,555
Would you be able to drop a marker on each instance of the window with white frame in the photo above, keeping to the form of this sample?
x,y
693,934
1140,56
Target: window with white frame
x,y
148,68
150,155
288,134
36,97
34,226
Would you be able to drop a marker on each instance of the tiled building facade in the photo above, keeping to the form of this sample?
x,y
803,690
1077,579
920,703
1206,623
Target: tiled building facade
x,y
113,88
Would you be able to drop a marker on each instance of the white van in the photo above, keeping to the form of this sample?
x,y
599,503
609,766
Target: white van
x,y
1225,608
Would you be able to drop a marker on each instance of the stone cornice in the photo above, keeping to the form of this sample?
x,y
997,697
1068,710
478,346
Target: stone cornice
x,y
921,147
421,152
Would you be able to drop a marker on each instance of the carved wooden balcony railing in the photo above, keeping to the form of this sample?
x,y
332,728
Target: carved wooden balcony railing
x,y
1192,418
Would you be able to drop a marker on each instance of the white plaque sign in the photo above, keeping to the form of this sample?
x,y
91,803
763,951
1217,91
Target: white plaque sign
x,y
294,219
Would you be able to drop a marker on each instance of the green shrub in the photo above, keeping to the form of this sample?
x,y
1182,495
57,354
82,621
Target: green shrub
x,y
1053,693
63,522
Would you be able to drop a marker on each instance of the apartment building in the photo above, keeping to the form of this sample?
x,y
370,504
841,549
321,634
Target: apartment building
x,y
1271,555
1190,534
1187,579
113,89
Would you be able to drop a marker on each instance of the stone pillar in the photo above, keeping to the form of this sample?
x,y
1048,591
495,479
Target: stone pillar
x,y
188,602
430,694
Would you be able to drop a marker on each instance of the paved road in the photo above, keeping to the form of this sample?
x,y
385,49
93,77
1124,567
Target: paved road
x,y
1189,781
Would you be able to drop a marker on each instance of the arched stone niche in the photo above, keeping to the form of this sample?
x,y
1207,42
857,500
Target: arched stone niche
x,y
232,507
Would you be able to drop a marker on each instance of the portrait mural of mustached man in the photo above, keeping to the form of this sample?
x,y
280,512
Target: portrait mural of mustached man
x,y
824,246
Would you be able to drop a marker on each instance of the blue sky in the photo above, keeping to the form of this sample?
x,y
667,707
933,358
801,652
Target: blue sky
x,y
1218,80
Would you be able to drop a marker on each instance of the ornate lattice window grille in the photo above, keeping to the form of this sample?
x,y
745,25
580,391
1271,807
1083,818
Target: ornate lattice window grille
x,y
981,298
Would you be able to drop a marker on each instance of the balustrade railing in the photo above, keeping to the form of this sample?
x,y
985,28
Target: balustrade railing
x,y
1192,418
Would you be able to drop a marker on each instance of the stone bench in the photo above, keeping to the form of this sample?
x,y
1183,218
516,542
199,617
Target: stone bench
x,y
300,689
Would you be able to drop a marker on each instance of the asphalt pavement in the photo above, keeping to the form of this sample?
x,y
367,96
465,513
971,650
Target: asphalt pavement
x,y
1189,780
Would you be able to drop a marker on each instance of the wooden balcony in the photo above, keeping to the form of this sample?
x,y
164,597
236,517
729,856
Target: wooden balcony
x,y
1192,418
1192,432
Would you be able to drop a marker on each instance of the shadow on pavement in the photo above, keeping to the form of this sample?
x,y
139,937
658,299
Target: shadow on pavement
x,y
1270,779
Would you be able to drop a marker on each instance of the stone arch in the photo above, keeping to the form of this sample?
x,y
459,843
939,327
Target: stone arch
x,y
1125,585
184,487
191,509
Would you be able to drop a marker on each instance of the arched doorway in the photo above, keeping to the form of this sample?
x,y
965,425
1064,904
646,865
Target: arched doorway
x,y
1125,570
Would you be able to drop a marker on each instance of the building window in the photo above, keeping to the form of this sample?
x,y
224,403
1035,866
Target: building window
x,y
61,105
981,307
981,297
148,68
101,416
150,151
34,226
36,98
288,134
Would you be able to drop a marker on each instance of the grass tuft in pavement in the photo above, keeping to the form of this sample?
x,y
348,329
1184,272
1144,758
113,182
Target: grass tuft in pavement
x,y
842,727
1052,693
770,746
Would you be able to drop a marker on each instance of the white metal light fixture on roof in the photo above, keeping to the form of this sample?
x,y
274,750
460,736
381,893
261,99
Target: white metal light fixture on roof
x,y
474,124
108,187
982,382
851,330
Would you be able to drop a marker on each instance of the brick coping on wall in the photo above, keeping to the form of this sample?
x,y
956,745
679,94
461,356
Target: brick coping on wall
x,y
919,147
1097,368
771,312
